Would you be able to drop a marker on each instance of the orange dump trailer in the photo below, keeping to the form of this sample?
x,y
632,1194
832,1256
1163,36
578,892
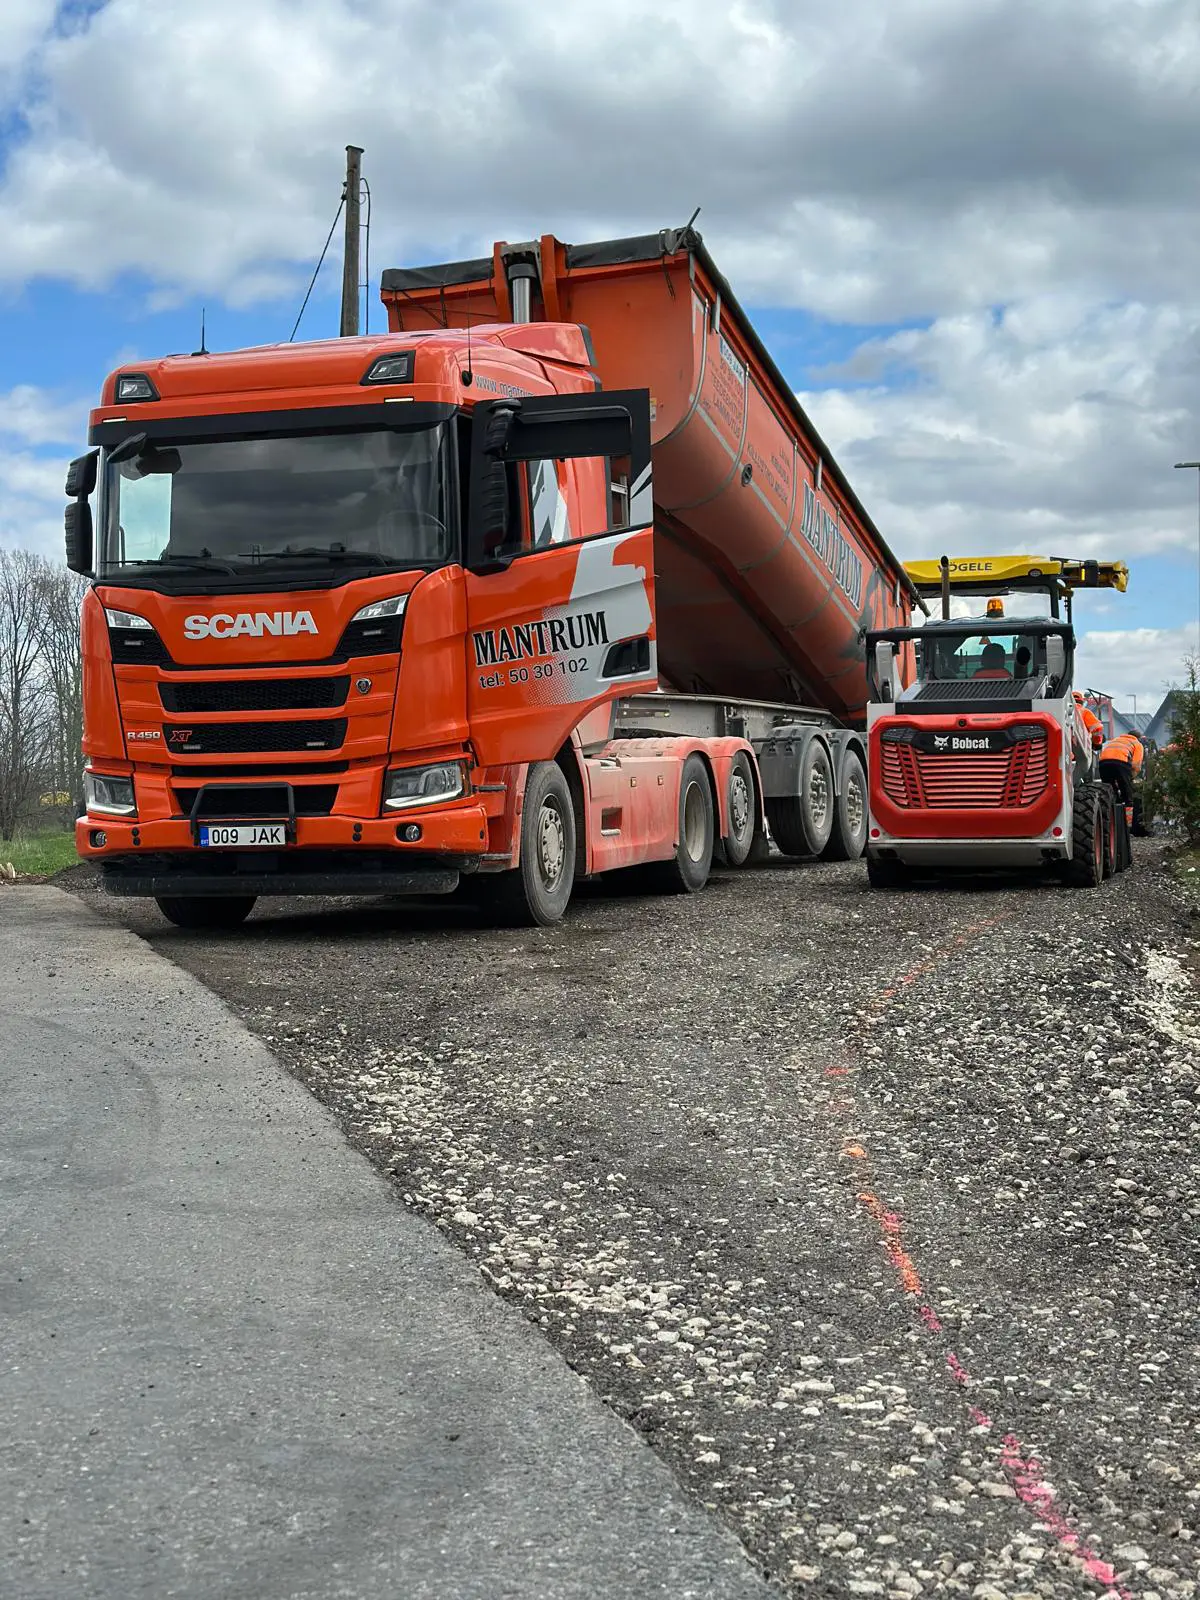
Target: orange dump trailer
x,y
768,569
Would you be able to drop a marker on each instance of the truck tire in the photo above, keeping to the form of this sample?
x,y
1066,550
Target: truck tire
x,y
1108,819
741,804
848,839
1085,870
801,824
688,869
885,872
206,911
538,892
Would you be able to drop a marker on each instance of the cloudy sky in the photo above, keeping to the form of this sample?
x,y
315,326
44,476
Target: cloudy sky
x,y
969,230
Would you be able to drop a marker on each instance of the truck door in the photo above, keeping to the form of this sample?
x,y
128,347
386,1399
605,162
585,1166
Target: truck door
x,y
560,575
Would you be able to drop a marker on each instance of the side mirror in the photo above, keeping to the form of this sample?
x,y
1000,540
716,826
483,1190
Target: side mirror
x,y
885,657
1056,657
81,476
78,527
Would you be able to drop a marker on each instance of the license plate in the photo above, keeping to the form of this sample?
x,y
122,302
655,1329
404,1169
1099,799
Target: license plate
x,y
243,836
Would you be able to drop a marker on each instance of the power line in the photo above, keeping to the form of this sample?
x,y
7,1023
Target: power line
x,y
319,265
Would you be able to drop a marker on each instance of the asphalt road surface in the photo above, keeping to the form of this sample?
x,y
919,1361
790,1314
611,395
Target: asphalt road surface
x,y
878,1215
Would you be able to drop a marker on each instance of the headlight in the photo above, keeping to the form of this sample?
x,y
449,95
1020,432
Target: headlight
x,y
125,619
114,796
381,608
422,786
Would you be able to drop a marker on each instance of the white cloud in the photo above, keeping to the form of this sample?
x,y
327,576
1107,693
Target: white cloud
x,y
1052,427
1138,662
927,160
39,432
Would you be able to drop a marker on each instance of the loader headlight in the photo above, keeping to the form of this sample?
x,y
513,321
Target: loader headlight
x,y
112,796
422,786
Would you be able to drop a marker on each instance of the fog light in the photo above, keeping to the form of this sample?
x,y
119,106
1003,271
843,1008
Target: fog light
x,y
97,838
410,832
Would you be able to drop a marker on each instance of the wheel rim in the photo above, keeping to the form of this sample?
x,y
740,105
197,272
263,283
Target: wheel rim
x,y
855,809
551,844
818,797
739,805
694,821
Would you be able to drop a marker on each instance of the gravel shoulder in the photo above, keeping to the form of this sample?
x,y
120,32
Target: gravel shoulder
x,y
878,1215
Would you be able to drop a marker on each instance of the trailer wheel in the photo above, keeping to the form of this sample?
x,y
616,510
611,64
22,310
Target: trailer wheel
x,y
538,892
206,911
688,868
1085,870
848,839
741,803
885,872
801,824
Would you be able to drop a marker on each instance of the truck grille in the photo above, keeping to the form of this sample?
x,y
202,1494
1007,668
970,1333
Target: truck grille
x,y
1004,778
246,737
254,694
311,799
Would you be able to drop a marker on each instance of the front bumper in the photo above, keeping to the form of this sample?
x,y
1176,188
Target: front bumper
x,y
328,855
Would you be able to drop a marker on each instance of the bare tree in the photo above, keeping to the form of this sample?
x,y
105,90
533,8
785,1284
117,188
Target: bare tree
x,y
24,719
62,680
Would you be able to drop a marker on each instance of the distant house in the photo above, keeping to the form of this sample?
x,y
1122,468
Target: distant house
x,y
1133,721
1161,725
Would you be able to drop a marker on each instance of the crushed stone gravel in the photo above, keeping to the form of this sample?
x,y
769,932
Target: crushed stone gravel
x,y
806,1181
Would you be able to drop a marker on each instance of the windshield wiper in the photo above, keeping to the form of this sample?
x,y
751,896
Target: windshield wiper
x,y
335,552
197,563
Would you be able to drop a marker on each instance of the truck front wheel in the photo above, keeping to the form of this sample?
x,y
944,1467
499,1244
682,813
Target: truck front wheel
x,y
213,912
538,892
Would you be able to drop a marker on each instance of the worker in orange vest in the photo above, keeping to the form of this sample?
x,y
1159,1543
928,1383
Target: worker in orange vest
x,y
1121,762
1090,720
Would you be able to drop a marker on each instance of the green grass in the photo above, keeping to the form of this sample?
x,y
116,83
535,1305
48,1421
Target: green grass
x,y
39,855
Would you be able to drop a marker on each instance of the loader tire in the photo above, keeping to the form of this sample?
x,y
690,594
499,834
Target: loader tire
x,y
885,872
1085,870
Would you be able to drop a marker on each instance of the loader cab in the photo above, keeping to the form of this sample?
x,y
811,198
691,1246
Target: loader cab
x,y
974,664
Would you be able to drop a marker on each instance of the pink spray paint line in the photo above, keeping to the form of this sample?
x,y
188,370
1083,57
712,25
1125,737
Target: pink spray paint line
x,y
1023,1470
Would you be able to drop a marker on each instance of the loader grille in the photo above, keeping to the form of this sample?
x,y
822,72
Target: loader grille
x,y
919,779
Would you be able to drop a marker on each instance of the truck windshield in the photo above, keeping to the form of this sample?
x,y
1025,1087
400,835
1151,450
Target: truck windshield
x,y
379,496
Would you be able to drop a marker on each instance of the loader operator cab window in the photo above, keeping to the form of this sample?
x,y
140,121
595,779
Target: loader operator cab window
x,y
989,655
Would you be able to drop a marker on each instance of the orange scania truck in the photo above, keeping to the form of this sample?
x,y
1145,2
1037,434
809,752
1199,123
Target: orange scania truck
x,y
553,578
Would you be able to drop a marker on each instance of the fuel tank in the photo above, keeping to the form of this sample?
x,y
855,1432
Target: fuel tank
x,y
768,569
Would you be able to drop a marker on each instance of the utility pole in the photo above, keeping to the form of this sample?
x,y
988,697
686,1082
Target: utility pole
x,y
349,328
